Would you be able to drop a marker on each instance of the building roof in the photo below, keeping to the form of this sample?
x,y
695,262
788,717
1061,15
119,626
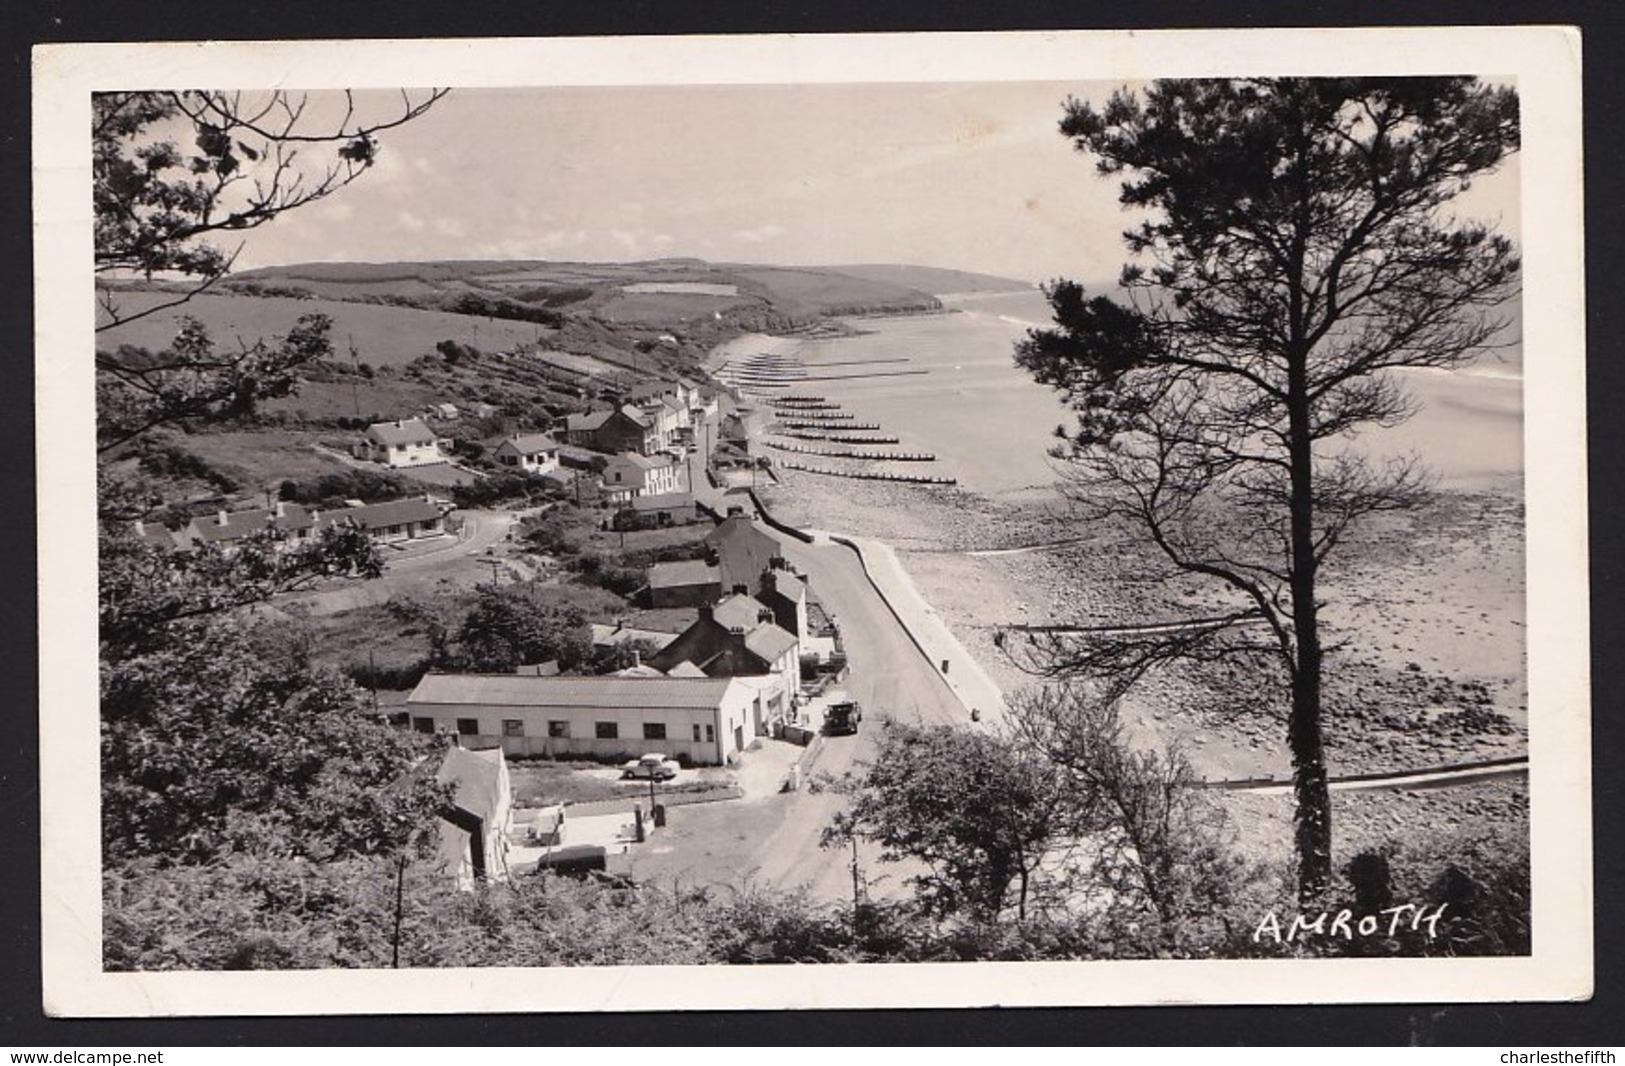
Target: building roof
x,y
770,642
685,669
642,462
588,422
764,637
475,778
530,443
731,638
153,534
741,530
739,612
608,636
409,431
665,501
383,515
782,583
512,690
743,550
684,573
240,524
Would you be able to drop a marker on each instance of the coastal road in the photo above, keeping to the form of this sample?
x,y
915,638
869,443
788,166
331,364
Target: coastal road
x,y
773,841
890,679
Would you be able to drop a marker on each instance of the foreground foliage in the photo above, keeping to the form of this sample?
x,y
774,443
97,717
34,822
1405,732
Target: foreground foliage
x,y
248,910
222,738
1294,246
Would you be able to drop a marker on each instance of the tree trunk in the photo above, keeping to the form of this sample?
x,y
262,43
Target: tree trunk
x,y
1312,813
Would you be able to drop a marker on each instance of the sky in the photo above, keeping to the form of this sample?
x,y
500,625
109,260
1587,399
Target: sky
x,y
969,176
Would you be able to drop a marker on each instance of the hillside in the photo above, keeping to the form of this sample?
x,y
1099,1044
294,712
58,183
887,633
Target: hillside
x,y
664,291
581,326
934,280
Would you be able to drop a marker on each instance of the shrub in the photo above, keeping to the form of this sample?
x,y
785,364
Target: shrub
x,y
394,677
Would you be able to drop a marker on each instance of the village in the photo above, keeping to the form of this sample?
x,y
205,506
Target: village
x,y
733,693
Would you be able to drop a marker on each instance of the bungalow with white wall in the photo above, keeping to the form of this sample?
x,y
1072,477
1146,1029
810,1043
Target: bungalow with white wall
x,y
706,720
405,442
533,453
390,522
291,524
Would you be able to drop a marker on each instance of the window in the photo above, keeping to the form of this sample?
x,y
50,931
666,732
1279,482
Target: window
x,y
654,730
556,728
710,734
468,726
696,732
513,727
606,730
422,725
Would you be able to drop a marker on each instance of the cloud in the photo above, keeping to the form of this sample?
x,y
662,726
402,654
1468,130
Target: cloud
x,y
449,227
407,220
760,234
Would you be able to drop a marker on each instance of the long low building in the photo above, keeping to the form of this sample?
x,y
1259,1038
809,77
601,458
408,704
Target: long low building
x,y
703,719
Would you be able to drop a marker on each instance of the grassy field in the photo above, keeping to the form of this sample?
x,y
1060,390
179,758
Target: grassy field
x,y
384,335
263,457
379,399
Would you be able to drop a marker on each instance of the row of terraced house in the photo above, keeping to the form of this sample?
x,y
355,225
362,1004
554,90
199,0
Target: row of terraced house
x,y
294,524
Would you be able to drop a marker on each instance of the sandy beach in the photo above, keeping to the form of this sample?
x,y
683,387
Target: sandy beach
x,y
1424,610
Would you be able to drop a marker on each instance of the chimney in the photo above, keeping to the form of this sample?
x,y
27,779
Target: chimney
x,y
140,528
764,615
770,582
220,517
706,613
281,509
741,590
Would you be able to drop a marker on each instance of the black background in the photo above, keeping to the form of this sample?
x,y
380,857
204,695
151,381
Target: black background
x,y
22,1023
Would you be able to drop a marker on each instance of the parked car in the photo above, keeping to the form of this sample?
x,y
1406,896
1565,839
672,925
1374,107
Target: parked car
x,y
652,765
842,718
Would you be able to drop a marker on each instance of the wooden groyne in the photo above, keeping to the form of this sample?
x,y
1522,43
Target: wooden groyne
x,y
799,424
859,377
834,415
863,362
867,475
841,438
835,453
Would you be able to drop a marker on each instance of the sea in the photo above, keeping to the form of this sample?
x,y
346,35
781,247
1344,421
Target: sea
x,y
948,384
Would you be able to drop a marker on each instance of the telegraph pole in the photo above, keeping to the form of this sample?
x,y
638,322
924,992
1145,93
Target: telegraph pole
x,y
355,384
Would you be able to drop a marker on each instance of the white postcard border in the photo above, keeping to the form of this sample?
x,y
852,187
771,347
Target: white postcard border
x,y
1545,61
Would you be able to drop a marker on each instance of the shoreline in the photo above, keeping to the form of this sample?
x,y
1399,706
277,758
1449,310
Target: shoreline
x,y
1429,605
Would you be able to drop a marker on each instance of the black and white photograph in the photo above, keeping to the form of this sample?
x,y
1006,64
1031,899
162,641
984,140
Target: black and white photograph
x,y
904,520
